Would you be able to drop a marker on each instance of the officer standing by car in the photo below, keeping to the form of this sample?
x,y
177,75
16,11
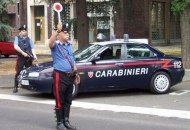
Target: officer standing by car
x,y
65,74
25,53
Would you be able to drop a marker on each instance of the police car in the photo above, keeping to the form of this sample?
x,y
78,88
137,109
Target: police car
x,y
113,65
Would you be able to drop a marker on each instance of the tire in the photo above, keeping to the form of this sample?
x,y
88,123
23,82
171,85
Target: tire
x,y
160,83
74,93
75,90
0,54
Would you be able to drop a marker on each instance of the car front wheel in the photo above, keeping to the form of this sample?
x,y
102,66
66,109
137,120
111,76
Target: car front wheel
x,y
160,83
75,90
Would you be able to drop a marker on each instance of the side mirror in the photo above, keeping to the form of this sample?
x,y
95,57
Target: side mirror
x,y
95,59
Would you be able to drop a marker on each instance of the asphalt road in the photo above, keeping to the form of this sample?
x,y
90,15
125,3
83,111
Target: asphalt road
x,y
31,116
34,111
122,110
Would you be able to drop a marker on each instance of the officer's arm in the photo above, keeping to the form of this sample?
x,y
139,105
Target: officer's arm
x,y
52,39
77,77
54,35
34,54
17,48
33,51
75,67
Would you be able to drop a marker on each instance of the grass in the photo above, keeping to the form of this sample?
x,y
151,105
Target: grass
x,y
170,50
176,52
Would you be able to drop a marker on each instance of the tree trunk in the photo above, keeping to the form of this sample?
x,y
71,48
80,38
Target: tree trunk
x,y
185,36
82,23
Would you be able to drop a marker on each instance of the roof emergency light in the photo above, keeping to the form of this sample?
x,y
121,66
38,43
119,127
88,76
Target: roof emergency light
x,y
112,37
126,37
101,37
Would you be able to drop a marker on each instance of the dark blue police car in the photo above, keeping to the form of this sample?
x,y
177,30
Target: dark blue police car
x,y
113,65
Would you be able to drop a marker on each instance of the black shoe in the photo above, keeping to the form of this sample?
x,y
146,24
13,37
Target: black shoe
x,y
60,126
69,126
15,90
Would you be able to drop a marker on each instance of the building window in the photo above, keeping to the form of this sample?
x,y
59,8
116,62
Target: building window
x,y
39,11
99,17
18,8
158,20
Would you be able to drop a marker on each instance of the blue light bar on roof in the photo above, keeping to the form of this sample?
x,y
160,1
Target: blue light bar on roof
x,y
126,37
112,37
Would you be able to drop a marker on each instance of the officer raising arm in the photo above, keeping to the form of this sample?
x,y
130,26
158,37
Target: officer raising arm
x,y
64,74
25,48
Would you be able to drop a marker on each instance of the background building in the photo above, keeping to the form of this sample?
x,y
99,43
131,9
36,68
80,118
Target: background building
x,y
151,19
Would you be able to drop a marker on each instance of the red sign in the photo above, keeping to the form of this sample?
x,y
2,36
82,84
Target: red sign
x,y
57,7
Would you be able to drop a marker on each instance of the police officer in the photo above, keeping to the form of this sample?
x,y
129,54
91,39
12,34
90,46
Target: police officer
x,y
25,51
65,74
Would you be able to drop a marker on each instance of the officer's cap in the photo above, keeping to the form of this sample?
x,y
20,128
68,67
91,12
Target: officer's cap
x,y
23,27
65,28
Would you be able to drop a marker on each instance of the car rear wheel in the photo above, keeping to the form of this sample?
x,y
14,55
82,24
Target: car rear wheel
x,y
75,90
160,83
6,56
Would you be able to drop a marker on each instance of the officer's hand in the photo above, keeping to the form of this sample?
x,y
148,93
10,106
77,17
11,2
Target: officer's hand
x,y
25,54
35,59
77,79
59,27
34,62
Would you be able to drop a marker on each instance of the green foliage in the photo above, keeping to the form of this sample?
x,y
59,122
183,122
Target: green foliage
x,y
4,28
178,6
3,4
4,32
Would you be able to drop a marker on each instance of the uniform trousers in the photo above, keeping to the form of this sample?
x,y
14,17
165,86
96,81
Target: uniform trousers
x,y
21,62
63,88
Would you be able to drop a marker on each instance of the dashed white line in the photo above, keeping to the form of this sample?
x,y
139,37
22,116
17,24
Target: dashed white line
x,y
107,107
180,92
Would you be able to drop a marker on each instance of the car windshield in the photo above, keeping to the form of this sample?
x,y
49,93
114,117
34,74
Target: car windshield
x,y
86,52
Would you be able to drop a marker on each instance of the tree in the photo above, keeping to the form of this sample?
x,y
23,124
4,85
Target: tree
x,y
82,23
4,27
181,8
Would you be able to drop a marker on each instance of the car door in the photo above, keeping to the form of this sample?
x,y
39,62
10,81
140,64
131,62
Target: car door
x,y
138,66
106,73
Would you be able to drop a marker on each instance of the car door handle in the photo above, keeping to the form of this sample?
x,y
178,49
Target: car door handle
x,y
118,64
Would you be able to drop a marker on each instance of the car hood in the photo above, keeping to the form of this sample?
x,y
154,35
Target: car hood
x,y
40,67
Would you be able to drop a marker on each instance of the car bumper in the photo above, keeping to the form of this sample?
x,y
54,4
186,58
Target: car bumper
x,y
177,76
37,85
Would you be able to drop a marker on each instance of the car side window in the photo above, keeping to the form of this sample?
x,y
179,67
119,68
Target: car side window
x,y
112,52
138,51
107,54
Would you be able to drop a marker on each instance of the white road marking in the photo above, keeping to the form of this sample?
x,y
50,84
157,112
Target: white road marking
x,y
107,107
180,92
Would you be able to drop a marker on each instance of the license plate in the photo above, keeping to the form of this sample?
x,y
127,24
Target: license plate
x,y
25,82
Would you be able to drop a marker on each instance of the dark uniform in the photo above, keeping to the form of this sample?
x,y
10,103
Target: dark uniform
x,y
26,45
63,62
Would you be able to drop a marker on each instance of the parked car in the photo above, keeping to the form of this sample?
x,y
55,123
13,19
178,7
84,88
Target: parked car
x,y
7,48
112,65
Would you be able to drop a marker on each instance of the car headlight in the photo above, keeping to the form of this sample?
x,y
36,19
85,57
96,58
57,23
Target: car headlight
x,y
21,75
46,75
33,74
